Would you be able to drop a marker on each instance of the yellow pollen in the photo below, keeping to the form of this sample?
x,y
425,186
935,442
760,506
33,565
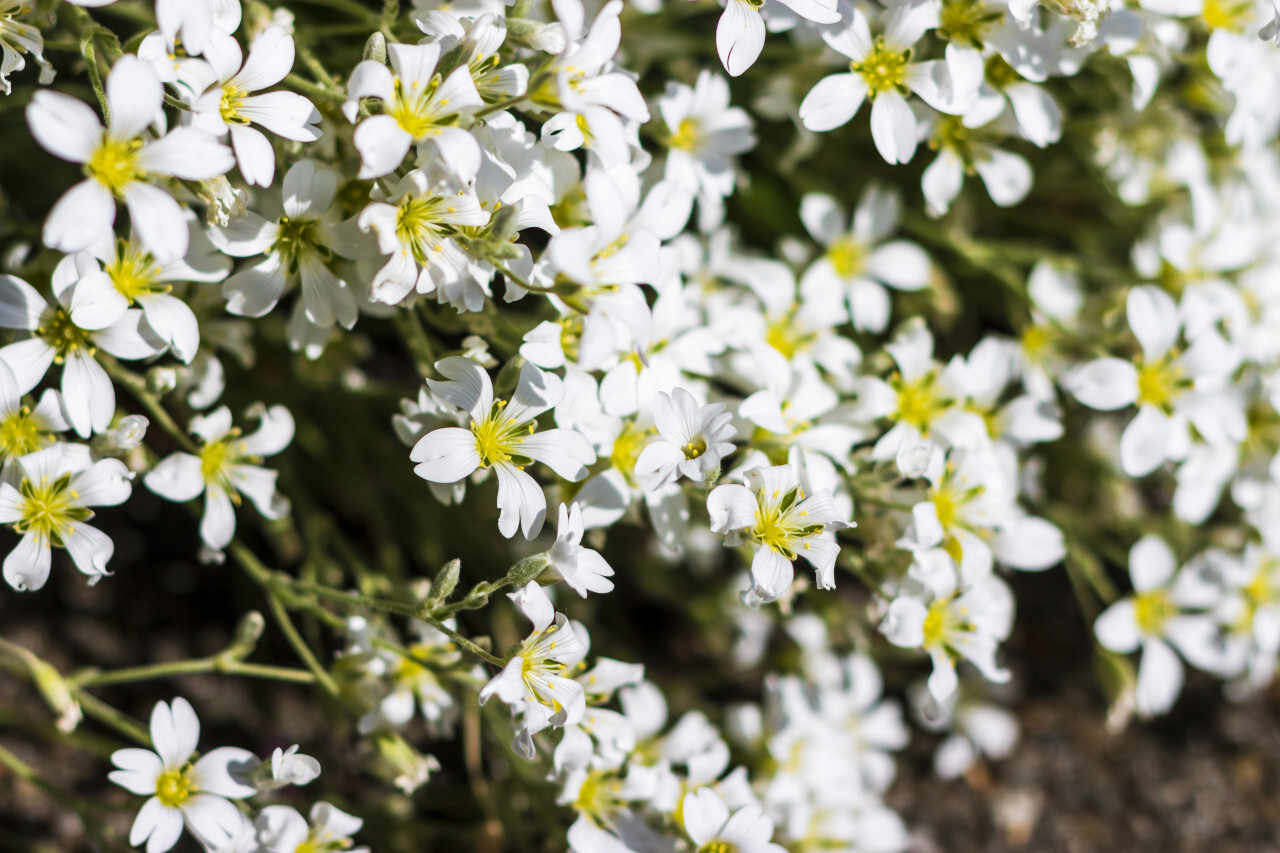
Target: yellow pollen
x,y
1160,383
883,69
846,256
695,448
935,624
232,101
20,434
213,461
1151,610
173,787
114,164
687,136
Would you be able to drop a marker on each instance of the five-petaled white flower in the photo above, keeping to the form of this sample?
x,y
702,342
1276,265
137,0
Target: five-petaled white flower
x,y
226,468
503,437
48,502
535,681
692,440
583,569
198,795
119,162
773,515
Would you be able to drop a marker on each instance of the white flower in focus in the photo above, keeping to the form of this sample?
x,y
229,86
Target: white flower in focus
x,y
583,569
417,105
281,829
707,820
198,795
229,106
299,247
415,226
120,163
503,437
24,429
226,468
692,442
773,515
535,682
88,396
881,70
47,502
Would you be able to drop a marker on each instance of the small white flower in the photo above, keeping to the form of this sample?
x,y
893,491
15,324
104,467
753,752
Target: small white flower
x,y
17,38
120,163
535,680
773,514
502,437
229,106
693,440
417,105
48,503
290,767
198,795
226,468
583,569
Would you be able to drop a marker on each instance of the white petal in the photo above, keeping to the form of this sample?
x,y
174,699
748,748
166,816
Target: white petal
x,y
156,824
224,771
89,547
1153,317
218,525
705,814
1160,677
177,478
446,455
175,731
64,126
893,127
139,769
134,96
158,221
174,322
1006,176
739,36
21,306
82,217
27,566
1105,384
1151,563
521,503
382,145
1145,442
88,395
187,153
254,154
1117,628
832,102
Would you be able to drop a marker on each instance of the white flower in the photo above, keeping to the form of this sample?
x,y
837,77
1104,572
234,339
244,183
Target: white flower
x,y
88,396
707,820
417,105
23,429
299,247
1170,388
48,502
858,262
415,225
282,830
705,134
881,69
965,145
198,795
773,515
693,440
290,767
952,624
502,437
226,468
228,106
535,681
17,38
583,569
130,275
1153,618
119,163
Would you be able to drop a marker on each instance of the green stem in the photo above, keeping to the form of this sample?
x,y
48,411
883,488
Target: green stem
x,y
461,640
306,87
137,386
499,106
217,664
118,720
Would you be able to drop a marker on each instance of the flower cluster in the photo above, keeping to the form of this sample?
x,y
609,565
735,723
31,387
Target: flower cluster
x,y
608,280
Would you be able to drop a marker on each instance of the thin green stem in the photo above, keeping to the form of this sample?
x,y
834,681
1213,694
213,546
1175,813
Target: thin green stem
x,y
118,720
306,87
218,664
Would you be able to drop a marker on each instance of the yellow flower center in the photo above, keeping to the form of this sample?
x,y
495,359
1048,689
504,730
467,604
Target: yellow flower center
x,y
296,238
626,449
1160,384
695,448
412,108
967,21
232,101
417,226
64,336
787,336
1035,341
497,438
173,787
687,136
935,624
20,434
48,508
114,164
718,847
1220,15
919,401
133,272
883,69
846,256
1151,610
